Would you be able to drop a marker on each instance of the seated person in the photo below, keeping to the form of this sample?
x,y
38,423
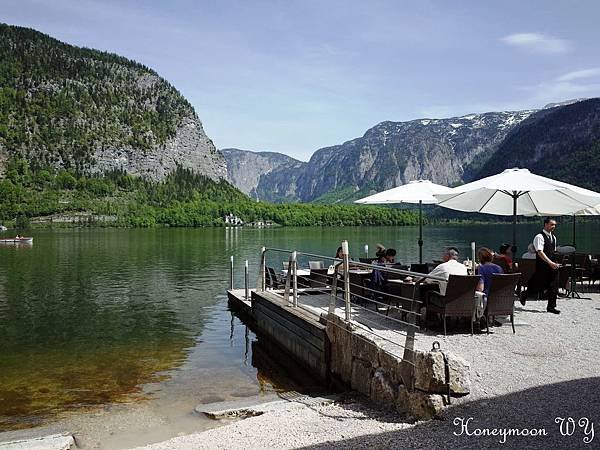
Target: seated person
x,y
390,256
450,266
530,253
486,269
504,258
379,278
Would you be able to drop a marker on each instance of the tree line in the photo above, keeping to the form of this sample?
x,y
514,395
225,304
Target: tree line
x,y
182,199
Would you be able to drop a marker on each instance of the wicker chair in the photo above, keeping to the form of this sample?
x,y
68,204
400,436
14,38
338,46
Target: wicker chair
x,y
272,280
419,268
318,278
501,298
459,300
595,270
583,270
527,269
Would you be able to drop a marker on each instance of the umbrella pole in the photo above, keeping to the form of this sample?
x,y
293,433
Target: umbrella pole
x,y
574,231
514,237
420,232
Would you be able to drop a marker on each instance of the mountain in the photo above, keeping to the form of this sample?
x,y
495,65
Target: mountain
x,y
393,153
245,168
561,142
75,108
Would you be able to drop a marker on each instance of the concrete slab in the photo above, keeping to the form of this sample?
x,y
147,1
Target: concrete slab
x,y
258,405
52,442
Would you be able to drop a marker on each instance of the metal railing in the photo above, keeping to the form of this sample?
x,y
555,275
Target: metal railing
x,y
348,289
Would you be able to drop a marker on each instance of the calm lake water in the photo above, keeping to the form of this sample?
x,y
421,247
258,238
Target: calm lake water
x,y
97,317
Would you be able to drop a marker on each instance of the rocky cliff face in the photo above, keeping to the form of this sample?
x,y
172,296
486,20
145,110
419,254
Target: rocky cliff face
x,y
75,108
189,148
245,168
392,153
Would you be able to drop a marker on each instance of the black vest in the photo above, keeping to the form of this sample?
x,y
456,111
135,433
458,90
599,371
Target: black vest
x,y
549,250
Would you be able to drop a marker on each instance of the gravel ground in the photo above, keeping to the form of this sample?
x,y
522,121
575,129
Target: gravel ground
x,y
550,368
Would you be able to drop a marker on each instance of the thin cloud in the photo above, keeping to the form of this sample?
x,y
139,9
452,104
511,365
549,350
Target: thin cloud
x,y
536,42
579,74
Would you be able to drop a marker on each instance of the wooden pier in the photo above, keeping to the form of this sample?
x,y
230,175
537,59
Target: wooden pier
x,y
300,333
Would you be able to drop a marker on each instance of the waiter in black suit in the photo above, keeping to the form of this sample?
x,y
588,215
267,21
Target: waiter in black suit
x,y
545,277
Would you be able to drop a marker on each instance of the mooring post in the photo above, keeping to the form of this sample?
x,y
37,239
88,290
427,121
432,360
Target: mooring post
x,y
231,272
263,268
295,279
346,259
246,279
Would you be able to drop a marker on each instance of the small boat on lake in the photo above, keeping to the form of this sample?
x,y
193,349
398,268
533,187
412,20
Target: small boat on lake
x,y
17,240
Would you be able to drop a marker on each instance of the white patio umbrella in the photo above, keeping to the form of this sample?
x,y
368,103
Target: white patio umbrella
x,y
592,211
519,192
417,191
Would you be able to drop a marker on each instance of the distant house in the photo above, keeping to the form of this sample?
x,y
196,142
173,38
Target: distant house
x,y
232,220
3,228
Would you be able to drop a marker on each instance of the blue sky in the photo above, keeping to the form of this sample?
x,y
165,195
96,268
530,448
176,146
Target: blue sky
x,y
294,76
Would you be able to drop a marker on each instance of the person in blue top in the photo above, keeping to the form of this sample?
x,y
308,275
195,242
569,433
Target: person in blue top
x,y
486,269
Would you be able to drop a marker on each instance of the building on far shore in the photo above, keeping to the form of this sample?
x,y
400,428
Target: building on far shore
x,y
232,220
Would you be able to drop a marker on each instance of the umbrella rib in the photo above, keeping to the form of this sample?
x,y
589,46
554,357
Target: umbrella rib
x,y
533,203
487,201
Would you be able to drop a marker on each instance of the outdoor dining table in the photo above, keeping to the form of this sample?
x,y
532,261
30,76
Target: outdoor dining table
x,y
299,272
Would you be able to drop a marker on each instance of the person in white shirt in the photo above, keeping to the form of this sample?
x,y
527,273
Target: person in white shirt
x,y
530,253
450,266
545,278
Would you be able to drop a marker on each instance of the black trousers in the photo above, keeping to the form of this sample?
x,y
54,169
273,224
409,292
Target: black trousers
x,y
544,280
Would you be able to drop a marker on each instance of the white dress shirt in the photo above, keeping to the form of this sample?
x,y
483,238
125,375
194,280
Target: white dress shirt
x,y
444,270
538,241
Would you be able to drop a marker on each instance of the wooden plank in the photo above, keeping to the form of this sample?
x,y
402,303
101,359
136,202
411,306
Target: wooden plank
x,y
300,332
296,315
300,350
313,326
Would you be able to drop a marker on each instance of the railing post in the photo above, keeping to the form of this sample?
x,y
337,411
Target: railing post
x,y
246,279
288,282
346,263
333,298
473,258
231,272
295,275
263,269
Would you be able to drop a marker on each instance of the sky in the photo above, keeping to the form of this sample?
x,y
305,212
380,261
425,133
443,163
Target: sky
x,y
293,76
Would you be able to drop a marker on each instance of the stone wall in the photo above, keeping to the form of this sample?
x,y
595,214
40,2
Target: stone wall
x,y
413,389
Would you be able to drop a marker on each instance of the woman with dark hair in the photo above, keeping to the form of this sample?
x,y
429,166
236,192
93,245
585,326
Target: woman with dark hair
x,y
504,258
486,269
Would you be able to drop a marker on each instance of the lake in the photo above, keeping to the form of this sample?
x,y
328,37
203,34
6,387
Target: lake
x,y
91,318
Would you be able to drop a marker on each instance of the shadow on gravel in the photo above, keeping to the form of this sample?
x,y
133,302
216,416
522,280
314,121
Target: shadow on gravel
x,y
531,409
